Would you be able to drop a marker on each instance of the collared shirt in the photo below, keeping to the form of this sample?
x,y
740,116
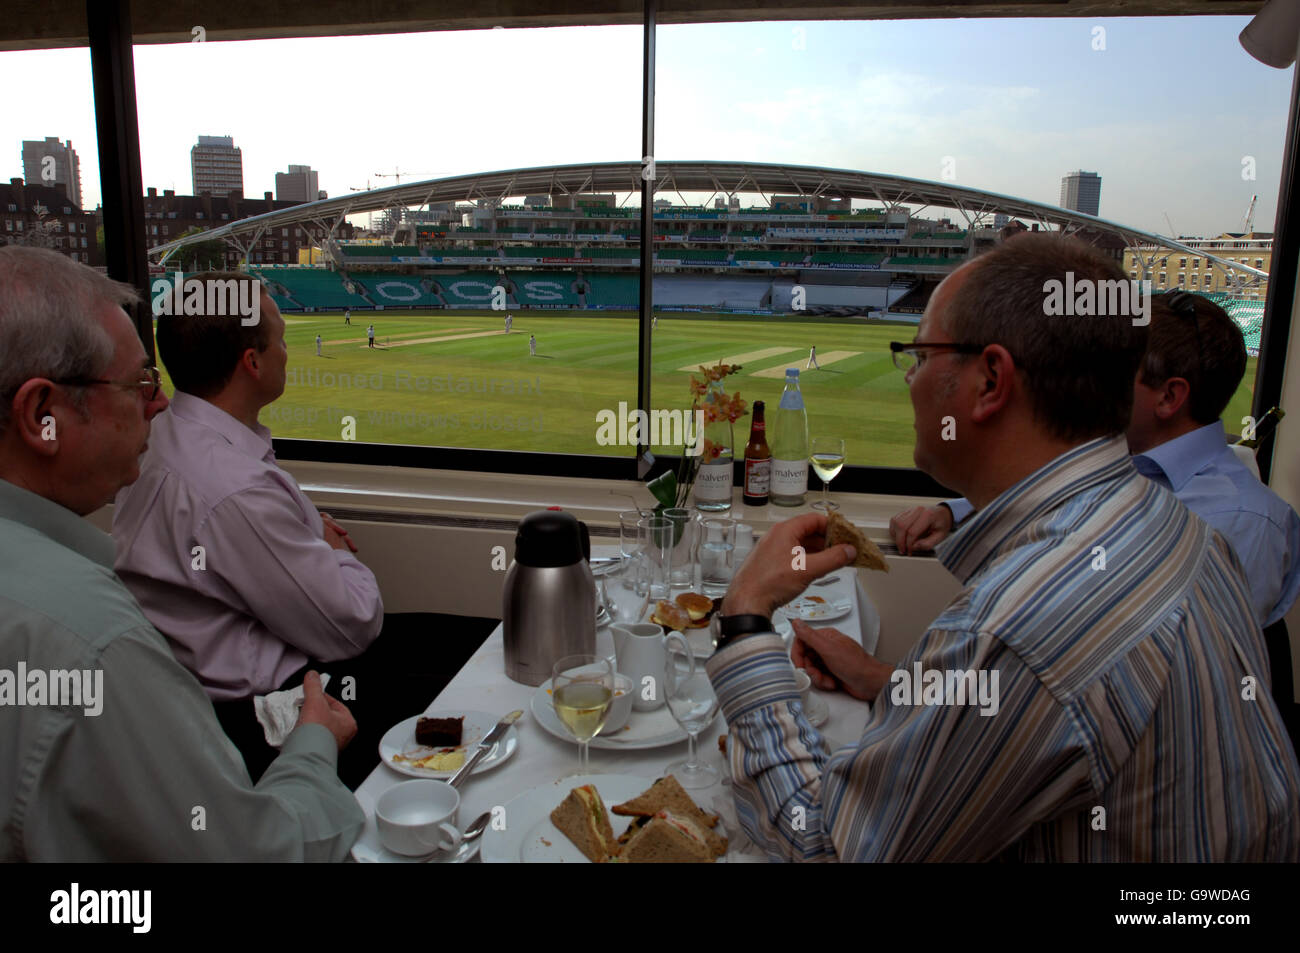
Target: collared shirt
x,y
151,775
227,557
1205,474
1119,632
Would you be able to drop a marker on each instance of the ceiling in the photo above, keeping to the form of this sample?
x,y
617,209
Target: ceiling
x,y
44,24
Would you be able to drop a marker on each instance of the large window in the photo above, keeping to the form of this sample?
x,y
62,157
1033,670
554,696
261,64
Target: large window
x,y
505,313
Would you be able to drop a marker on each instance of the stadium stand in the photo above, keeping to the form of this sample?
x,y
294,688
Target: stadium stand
x,y
843,258
818,296
708,256
613,291
746,256
309,288
470,289
702,291
598,253
543,288
384,252
394,290
538,252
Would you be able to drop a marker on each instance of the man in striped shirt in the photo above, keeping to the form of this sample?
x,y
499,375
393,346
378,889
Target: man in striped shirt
x,y
1097,691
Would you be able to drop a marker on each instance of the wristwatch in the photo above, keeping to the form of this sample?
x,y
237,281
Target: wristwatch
x,y
726,629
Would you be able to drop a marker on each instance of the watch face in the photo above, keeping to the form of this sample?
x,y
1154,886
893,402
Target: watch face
x,y
715,628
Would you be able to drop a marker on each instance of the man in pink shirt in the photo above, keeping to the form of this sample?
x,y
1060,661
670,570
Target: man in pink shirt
x,y
248,581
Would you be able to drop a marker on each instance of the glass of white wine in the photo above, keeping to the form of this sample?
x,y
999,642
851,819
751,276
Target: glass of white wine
x,y
827,458
582,688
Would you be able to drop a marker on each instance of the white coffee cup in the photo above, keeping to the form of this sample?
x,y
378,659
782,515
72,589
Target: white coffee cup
x,y
418,817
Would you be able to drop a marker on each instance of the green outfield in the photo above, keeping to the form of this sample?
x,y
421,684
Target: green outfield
x,y
455,379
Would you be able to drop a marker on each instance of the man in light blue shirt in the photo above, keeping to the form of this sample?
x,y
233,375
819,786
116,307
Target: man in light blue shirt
x,y
1195,359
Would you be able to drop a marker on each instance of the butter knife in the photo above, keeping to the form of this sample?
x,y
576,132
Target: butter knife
x,y
486,745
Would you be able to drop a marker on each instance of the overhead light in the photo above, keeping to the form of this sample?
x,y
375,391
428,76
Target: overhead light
x,y
1274,34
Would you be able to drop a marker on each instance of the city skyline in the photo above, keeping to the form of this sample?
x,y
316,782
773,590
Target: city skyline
x,y
899,97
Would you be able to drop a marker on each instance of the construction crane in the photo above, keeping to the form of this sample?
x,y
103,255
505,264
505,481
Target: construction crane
x,y
398,173
1250,215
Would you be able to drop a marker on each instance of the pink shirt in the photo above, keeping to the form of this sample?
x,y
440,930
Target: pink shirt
x,y
265,591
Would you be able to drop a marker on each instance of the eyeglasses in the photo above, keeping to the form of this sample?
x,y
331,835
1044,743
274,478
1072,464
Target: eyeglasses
x,y
910,355
148,386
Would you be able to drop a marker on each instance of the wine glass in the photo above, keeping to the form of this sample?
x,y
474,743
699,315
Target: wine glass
x,y
582,689
827,460
693,705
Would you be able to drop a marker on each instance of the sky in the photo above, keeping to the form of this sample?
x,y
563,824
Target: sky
x,y
1171,112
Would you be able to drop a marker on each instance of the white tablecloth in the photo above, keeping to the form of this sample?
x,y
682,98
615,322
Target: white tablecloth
x,y
482,685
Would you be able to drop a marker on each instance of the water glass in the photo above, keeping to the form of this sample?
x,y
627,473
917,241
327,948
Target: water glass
x,y
717,554
684,566
629,545
655,541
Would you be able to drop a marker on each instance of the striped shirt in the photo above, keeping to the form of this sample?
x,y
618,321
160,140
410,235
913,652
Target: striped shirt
x,y
1131,718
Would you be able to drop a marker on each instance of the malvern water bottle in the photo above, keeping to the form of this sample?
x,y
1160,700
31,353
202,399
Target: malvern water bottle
x,y
790,445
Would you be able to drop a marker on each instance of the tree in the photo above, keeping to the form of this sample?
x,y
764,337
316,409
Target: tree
x,y
201,256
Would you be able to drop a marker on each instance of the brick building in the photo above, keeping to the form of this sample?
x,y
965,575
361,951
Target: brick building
x,y
44,216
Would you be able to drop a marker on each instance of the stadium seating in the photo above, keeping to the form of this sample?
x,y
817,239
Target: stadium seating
x,y
312,288
539,251
843,258
601,253
613,291
470,289
385,252
815,296
709,256
395,290
909,260
746,256
544,288
702,291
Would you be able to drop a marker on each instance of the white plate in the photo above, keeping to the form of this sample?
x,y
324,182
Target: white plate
x,y
531,838
812,611
400,739
644,729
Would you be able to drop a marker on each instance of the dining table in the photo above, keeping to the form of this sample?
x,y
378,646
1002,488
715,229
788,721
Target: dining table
x,y
539,759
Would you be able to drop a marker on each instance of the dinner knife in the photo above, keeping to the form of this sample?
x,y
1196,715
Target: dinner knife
x,y
484,746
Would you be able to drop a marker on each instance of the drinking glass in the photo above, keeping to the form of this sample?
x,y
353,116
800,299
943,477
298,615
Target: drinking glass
x,y
684,563
628,544
827,460
655,535
716,556
693,705
582,689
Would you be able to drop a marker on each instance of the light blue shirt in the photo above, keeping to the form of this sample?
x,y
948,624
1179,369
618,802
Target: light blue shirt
x,y
1217,487
1210,481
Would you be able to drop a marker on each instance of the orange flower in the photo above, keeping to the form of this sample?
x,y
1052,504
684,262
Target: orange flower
x,y
698,388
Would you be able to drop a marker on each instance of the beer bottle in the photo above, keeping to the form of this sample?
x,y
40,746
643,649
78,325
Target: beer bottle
x,y
758,461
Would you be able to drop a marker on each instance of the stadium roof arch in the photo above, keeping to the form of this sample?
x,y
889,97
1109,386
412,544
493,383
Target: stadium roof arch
x,y
723,178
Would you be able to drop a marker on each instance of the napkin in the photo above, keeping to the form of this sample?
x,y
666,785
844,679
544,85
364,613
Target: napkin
x,y
278,712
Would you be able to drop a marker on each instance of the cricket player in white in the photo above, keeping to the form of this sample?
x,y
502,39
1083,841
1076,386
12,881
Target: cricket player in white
x,y
318,345
532,345
510,319
370,335
812,359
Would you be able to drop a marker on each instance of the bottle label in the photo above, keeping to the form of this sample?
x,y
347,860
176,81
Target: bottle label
x,y
789,477
713,483
758,476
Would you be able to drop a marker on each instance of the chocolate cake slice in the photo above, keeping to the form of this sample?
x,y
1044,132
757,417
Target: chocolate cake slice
x,y
439,732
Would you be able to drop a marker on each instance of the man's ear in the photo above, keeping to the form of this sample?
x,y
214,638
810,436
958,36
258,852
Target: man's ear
x,y
997,373
1174,394
37,412
248,361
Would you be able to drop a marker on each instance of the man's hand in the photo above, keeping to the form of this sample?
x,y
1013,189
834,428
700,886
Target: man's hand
x,y
768,579
836,662
336,535
320,709
921,528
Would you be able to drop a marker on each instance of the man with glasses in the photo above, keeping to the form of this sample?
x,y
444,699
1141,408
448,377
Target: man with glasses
x,y
1195,360
1111,625
137,767
230,560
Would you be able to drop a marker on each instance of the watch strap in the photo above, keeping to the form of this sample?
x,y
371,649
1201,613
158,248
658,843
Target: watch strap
x,y
732,627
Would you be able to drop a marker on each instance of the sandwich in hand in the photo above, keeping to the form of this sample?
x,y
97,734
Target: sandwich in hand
x,y
839,530
581,817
